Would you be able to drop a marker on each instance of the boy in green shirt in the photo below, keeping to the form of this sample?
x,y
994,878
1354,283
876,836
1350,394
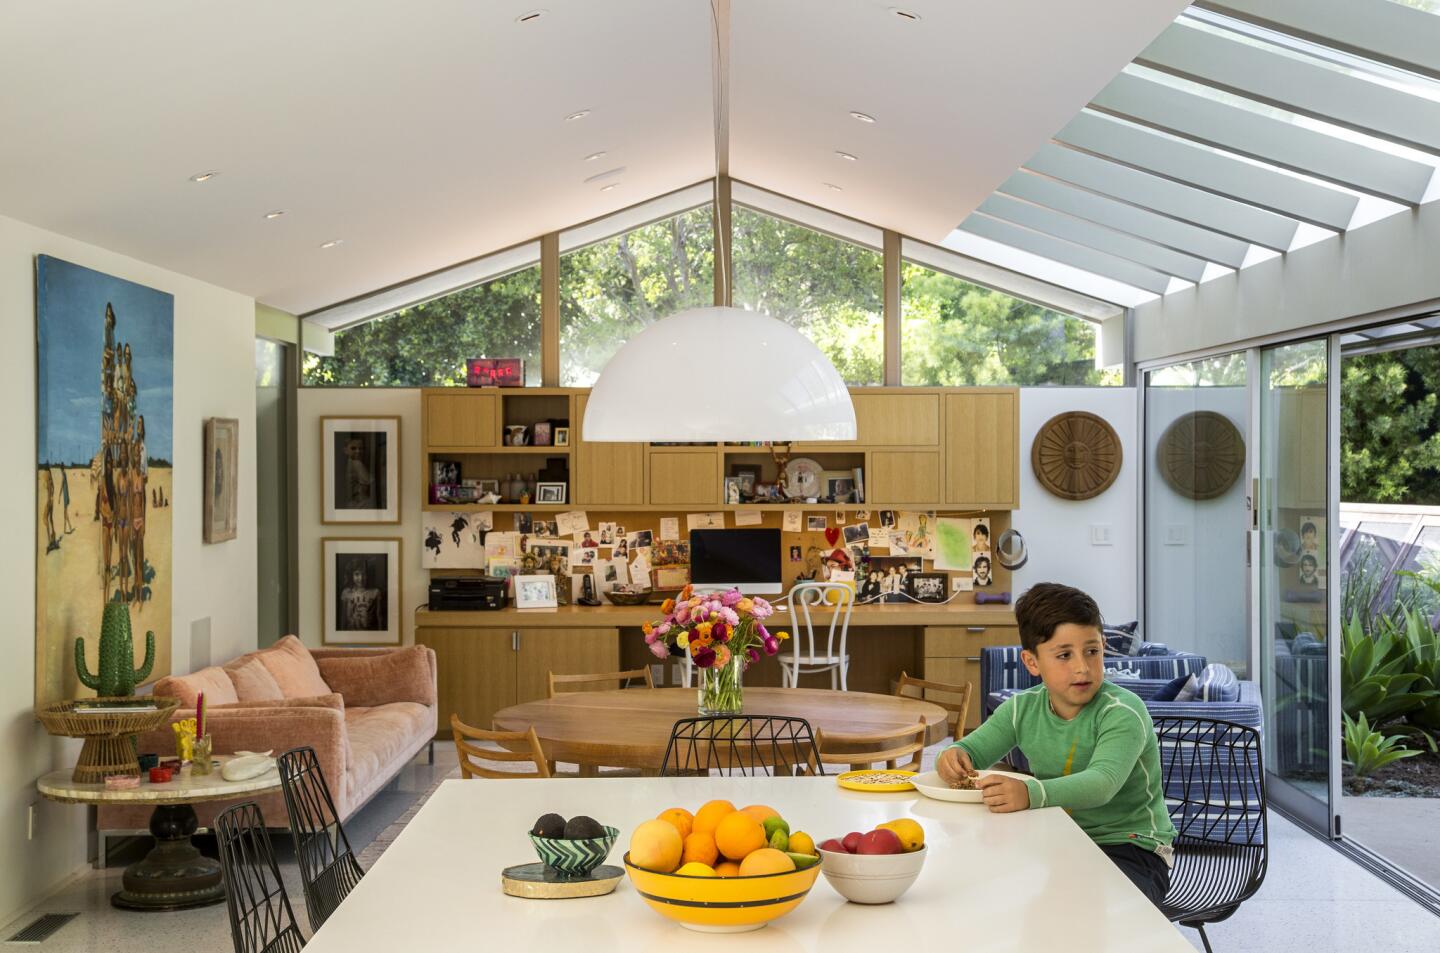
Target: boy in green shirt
x,y
1090,744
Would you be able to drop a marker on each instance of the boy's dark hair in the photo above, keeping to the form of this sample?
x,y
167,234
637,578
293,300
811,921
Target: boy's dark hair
x,y
981,528
1313,561
1048,605
981,559
1309,527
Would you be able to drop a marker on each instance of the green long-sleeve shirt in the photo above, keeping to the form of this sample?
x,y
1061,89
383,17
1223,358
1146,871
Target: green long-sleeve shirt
x,y
1103,765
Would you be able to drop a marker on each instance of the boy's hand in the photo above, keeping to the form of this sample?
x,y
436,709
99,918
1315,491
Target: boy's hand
x,y
1004,795
954,764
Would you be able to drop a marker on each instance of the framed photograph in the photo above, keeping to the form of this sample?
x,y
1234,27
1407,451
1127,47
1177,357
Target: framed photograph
x,y
540,434
362,590
535,592
360,460
892,574
748,474
841,489
562,436
732,490
444,471
763,492
488,486
222,460
550,493
928,586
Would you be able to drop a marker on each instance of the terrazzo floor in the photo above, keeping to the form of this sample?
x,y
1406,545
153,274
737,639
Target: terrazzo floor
x,y
1314,899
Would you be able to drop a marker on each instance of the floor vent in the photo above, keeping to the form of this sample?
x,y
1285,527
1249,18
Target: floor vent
x,y
42,928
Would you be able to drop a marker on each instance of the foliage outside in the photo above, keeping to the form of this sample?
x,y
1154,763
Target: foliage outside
x,y
1367,750
1390,428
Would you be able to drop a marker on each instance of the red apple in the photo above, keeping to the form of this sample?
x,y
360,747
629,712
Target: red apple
x,y
852,842
833,844
880,841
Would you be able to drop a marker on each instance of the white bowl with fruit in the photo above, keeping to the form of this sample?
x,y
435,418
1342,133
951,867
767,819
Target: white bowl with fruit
x,y
874,867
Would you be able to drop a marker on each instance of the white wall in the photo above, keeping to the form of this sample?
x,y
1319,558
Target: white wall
x,y
214,377
1056,531
317,402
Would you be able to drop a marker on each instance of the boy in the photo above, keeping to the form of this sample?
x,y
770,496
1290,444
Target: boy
x,y
1091,744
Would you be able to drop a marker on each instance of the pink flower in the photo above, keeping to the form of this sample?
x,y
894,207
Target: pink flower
x,y
651,636
731,597
660,650
730,616
703,657
682,614
754,653
662,628
763,632
771,646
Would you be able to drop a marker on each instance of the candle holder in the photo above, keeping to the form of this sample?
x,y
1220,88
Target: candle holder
x,y
200,756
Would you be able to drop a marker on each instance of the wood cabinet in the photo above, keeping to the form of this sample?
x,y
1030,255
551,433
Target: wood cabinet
x,y
890,419
982,443
684,477
482,670
904,476
1302,416
605,473
461,420
952,655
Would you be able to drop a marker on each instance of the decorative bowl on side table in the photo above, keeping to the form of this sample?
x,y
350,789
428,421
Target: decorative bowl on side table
x,y
107,749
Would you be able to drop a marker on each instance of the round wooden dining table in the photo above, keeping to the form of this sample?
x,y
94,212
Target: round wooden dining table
x,y
630,728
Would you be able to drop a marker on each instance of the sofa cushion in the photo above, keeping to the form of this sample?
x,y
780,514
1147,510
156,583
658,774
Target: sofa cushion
x,y
379,738
1216,683
1122,639
213,681
294,668
254,683
332,700
369,680
1171,689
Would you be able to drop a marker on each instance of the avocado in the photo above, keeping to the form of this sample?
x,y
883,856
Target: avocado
x,y
549,825
581,827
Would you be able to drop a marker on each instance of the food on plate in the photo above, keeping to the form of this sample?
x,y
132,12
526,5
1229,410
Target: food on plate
x,y
880,778
581,827
902,836
766,860
656,845
966,782
549,825
880,841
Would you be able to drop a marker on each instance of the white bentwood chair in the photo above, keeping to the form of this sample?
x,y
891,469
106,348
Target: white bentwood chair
x,y
811,660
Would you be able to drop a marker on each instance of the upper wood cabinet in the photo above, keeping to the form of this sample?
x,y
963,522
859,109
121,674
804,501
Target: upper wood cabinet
x,y
462,420
904,476
605,473
684,477
890,420
982,440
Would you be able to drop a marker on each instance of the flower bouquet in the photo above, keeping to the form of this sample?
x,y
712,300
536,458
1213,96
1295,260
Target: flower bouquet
x,y
723,635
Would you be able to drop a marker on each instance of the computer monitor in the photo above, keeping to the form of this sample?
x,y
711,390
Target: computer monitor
x,y
747,559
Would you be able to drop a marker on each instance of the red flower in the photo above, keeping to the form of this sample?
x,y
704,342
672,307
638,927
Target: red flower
x,y
703,657
720,632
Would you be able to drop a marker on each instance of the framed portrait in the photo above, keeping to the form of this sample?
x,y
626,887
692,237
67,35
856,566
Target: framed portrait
x,y
362,598
541,434
360,478
841,489
549,493
562,436
928,586
222,459
748,474
535,591
732,490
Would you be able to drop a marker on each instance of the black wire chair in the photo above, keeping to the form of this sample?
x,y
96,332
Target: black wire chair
x,y
261,920
328,867
741,745
1213,776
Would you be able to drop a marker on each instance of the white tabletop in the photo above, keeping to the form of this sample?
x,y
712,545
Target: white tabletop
x,y
184,788
992,882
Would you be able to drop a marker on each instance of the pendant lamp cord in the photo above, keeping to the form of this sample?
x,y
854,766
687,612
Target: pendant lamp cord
x,y
722,256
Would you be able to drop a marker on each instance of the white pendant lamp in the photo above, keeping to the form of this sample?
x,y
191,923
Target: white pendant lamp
x,y
713,374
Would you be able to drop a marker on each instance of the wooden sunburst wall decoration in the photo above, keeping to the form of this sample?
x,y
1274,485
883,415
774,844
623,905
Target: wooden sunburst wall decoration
x,y
1201,455
1076,455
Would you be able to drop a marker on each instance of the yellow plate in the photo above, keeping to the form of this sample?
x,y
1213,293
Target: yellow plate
x,y
851,780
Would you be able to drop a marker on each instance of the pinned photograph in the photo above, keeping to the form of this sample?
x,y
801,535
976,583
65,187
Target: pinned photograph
x,y
546,529
792,521
641,539
857,533
914,535
582,558
890,573
887,519
1312,537
670,553
980,571
669,527
523,524
980,535
815,524
607,534
795,555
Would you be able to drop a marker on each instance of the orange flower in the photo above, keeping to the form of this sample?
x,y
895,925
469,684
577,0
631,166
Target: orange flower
x,y
685,593
667,605
646,628
745,605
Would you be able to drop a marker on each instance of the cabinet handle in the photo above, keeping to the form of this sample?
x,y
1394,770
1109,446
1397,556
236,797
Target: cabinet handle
x,y
515,641
972,658
974,628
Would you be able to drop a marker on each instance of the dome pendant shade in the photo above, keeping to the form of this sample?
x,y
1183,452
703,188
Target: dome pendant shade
x,y
715,374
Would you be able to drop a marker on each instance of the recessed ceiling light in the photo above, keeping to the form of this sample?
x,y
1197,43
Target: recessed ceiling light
x,y
905,14
832,186
275,214
607,174
845,155
595,155
333,242
863,117
607,188
578,114
203,176
531,17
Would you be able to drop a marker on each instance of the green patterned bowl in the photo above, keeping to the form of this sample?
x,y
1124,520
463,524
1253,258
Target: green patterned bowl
x,y
575,858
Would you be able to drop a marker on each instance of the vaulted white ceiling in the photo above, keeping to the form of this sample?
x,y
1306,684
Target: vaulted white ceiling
x,y
423,134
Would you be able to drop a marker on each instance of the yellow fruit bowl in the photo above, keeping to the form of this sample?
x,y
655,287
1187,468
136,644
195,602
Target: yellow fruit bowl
x,y
722,904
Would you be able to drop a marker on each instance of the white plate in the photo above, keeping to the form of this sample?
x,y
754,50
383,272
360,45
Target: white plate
x,y
802,478
930,785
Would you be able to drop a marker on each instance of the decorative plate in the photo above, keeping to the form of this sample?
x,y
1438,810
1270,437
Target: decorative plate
x,y
1201,455
1076,455
876,782
803,478
930,785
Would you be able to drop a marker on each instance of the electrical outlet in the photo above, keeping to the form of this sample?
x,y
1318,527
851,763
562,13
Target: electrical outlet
x,y
32,817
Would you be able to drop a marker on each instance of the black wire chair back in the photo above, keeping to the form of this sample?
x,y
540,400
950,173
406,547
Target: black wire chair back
x,y
261,920
746,745
328,867
1213,776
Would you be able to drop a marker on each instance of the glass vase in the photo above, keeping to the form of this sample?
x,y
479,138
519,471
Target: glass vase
x,y
201,763
721,692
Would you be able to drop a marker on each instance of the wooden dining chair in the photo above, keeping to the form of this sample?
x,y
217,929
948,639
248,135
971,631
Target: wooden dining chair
x,y
598,682
472,755
861,751
959,710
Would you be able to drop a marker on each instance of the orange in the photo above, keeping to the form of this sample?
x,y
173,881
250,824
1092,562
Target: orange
x,y
727,868
656,845
760,812
766,860
700,848
739,834
683,820
710,814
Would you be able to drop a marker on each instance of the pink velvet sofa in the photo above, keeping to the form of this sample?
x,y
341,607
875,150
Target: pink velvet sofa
x,y
366,711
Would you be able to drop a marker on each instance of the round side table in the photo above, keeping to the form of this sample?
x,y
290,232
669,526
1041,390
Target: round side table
x,y
174,875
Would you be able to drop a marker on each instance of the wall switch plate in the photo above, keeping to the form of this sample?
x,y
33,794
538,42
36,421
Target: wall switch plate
x,y
1100,535
1177,534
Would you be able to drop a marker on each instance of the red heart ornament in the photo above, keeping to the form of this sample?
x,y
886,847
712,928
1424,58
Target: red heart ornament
x,y
832,535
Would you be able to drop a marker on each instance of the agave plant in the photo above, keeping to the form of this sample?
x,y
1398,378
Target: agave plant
x,y
1377,679
1422,650
1367,750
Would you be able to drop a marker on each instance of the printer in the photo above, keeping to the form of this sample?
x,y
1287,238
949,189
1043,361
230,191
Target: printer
x,y
467,593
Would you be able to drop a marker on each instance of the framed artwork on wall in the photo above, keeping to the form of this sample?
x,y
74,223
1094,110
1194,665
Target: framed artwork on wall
x,y
362,590
222,459
360,469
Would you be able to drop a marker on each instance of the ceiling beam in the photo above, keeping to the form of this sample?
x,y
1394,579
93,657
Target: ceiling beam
x,y
1178,236
1265,138
1226,62
1068,253
1389,33
1202,168
1183,203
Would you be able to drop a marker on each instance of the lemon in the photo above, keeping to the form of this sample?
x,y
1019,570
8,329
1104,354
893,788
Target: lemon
x,y
697,869
911,834
802,843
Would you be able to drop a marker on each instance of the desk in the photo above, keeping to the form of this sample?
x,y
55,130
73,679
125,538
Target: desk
x,y
996,883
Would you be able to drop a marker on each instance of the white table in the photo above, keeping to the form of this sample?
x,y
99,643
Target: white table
x,y
992,882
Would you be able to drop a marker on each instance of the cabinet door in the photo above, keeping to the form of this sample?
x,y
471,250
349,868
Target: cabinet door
x,y
606,472
684,478
981,448
564,652
475,670
890,420
461,421
952,655
904,476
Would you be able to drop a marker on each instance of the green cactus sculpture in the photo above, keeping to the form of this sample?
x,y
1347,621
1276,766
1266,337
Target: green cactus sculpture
x,y
118,676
